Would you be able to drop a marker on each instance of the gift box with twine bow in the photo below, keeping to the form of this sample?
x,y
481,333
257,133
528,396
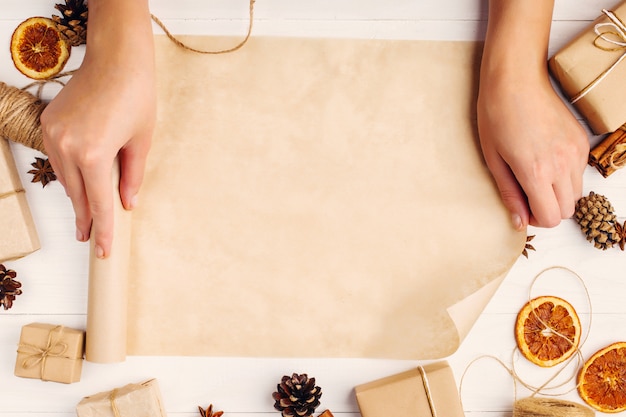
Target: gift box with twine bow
x,y
19,236
132,400
425,391
591,70
50,353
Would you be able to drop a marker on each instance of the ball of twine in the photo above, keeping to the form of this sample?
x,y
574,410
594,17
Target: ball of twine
x,y
19,117
546,407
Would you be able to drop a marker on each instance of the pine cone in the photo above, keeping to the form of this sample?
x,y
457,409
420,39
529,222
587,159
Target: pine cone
x,y
9,288
297,396
595,216
73,21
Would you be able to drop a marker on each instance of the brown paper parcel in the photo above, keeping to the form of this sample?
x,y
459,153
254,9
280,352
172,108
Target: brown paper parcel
x,y
50,352
312,197
422,392
19,236
132,400
589,62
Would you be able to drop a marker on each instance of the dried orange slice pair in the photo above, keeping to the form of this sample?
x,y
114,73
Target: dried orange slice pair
x,y
37,48
548,332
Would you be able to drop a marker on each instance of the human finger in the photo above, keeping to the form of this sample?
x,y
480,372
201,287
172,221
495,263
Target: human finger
x,y
99,192
511,193
75,189
132,166
543,203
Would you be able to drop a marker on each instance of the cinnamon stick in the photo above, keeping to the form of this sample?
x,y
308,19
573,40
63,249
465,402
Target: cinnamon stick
x,y
610,154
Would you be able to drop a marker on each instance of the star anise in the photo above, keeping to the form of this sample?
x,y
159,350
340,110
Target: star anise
x,y
42,171
528,246
621,232
209,412
9,287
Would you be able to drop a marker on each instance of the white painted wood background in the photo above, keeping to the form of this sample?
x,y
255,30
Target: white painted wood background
x,y
55,278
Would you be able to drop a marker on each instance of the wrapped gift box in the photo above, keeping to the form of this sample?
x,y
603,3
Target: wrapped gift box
x,y
19,236
132,400
591,70
422,392
50,352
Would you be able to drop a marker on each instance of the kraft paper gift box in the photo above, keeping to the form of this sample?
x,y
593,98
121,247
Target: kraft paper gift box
x,y
18,229
50,352
132,400
422,392
591,72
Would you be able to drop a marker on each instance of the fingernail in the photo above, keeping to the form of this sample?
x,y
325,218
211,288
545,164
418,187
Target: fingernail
x,y
134,201
99,252
80,236
517,222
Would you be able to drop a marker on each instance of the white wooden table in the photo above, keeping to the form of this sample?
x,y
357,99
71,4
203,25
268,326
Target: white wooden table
x,y
55,278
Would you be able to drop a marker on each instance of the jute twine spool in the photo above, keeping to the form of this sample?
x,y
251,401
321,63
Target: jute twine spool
x,y
535,406
547,407
19,117
20,111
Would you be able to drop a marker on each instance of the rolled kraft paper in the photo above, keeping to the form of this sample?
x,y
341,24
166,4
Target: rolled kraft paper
x,y
316,198
108,291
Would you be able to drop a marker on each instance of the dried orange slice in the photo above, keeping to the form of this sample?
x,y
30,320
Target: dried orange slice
x,y
37,48
602,379
547,330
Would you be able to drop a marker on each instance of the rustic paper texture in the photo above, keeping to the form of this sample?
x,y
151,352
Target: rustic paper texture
x,y
314,197
132,400
50,352
19,235
412,394
580,62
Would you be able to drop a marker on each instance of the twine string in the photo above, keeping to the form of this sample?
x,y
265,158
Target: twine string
x,y
11,193
209,52
37,355
535,406
427,390
617,158
615,37
112,397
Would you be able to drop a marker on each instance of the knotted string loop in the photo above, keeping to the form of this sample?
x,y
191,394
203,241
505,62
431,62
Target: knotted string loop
x,y
37,355
613,39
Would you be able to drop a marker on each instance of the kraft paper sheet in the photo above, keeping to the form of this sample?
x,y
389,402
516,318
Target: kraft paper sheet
x,y
312,198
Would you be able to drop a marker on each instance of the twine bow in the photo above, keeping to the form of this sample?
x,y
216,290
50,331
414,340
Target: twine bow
x,y
38,356
613,39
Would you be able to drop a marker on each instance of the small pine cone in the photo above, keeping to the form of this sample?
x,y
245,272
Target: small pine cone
x,y
9,287
297,396
595,216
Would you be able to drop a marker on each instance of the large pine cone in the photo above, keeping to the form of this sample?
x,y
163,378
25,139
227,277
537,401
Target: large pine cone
x,y
9,287
595,216
297,396
72,24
